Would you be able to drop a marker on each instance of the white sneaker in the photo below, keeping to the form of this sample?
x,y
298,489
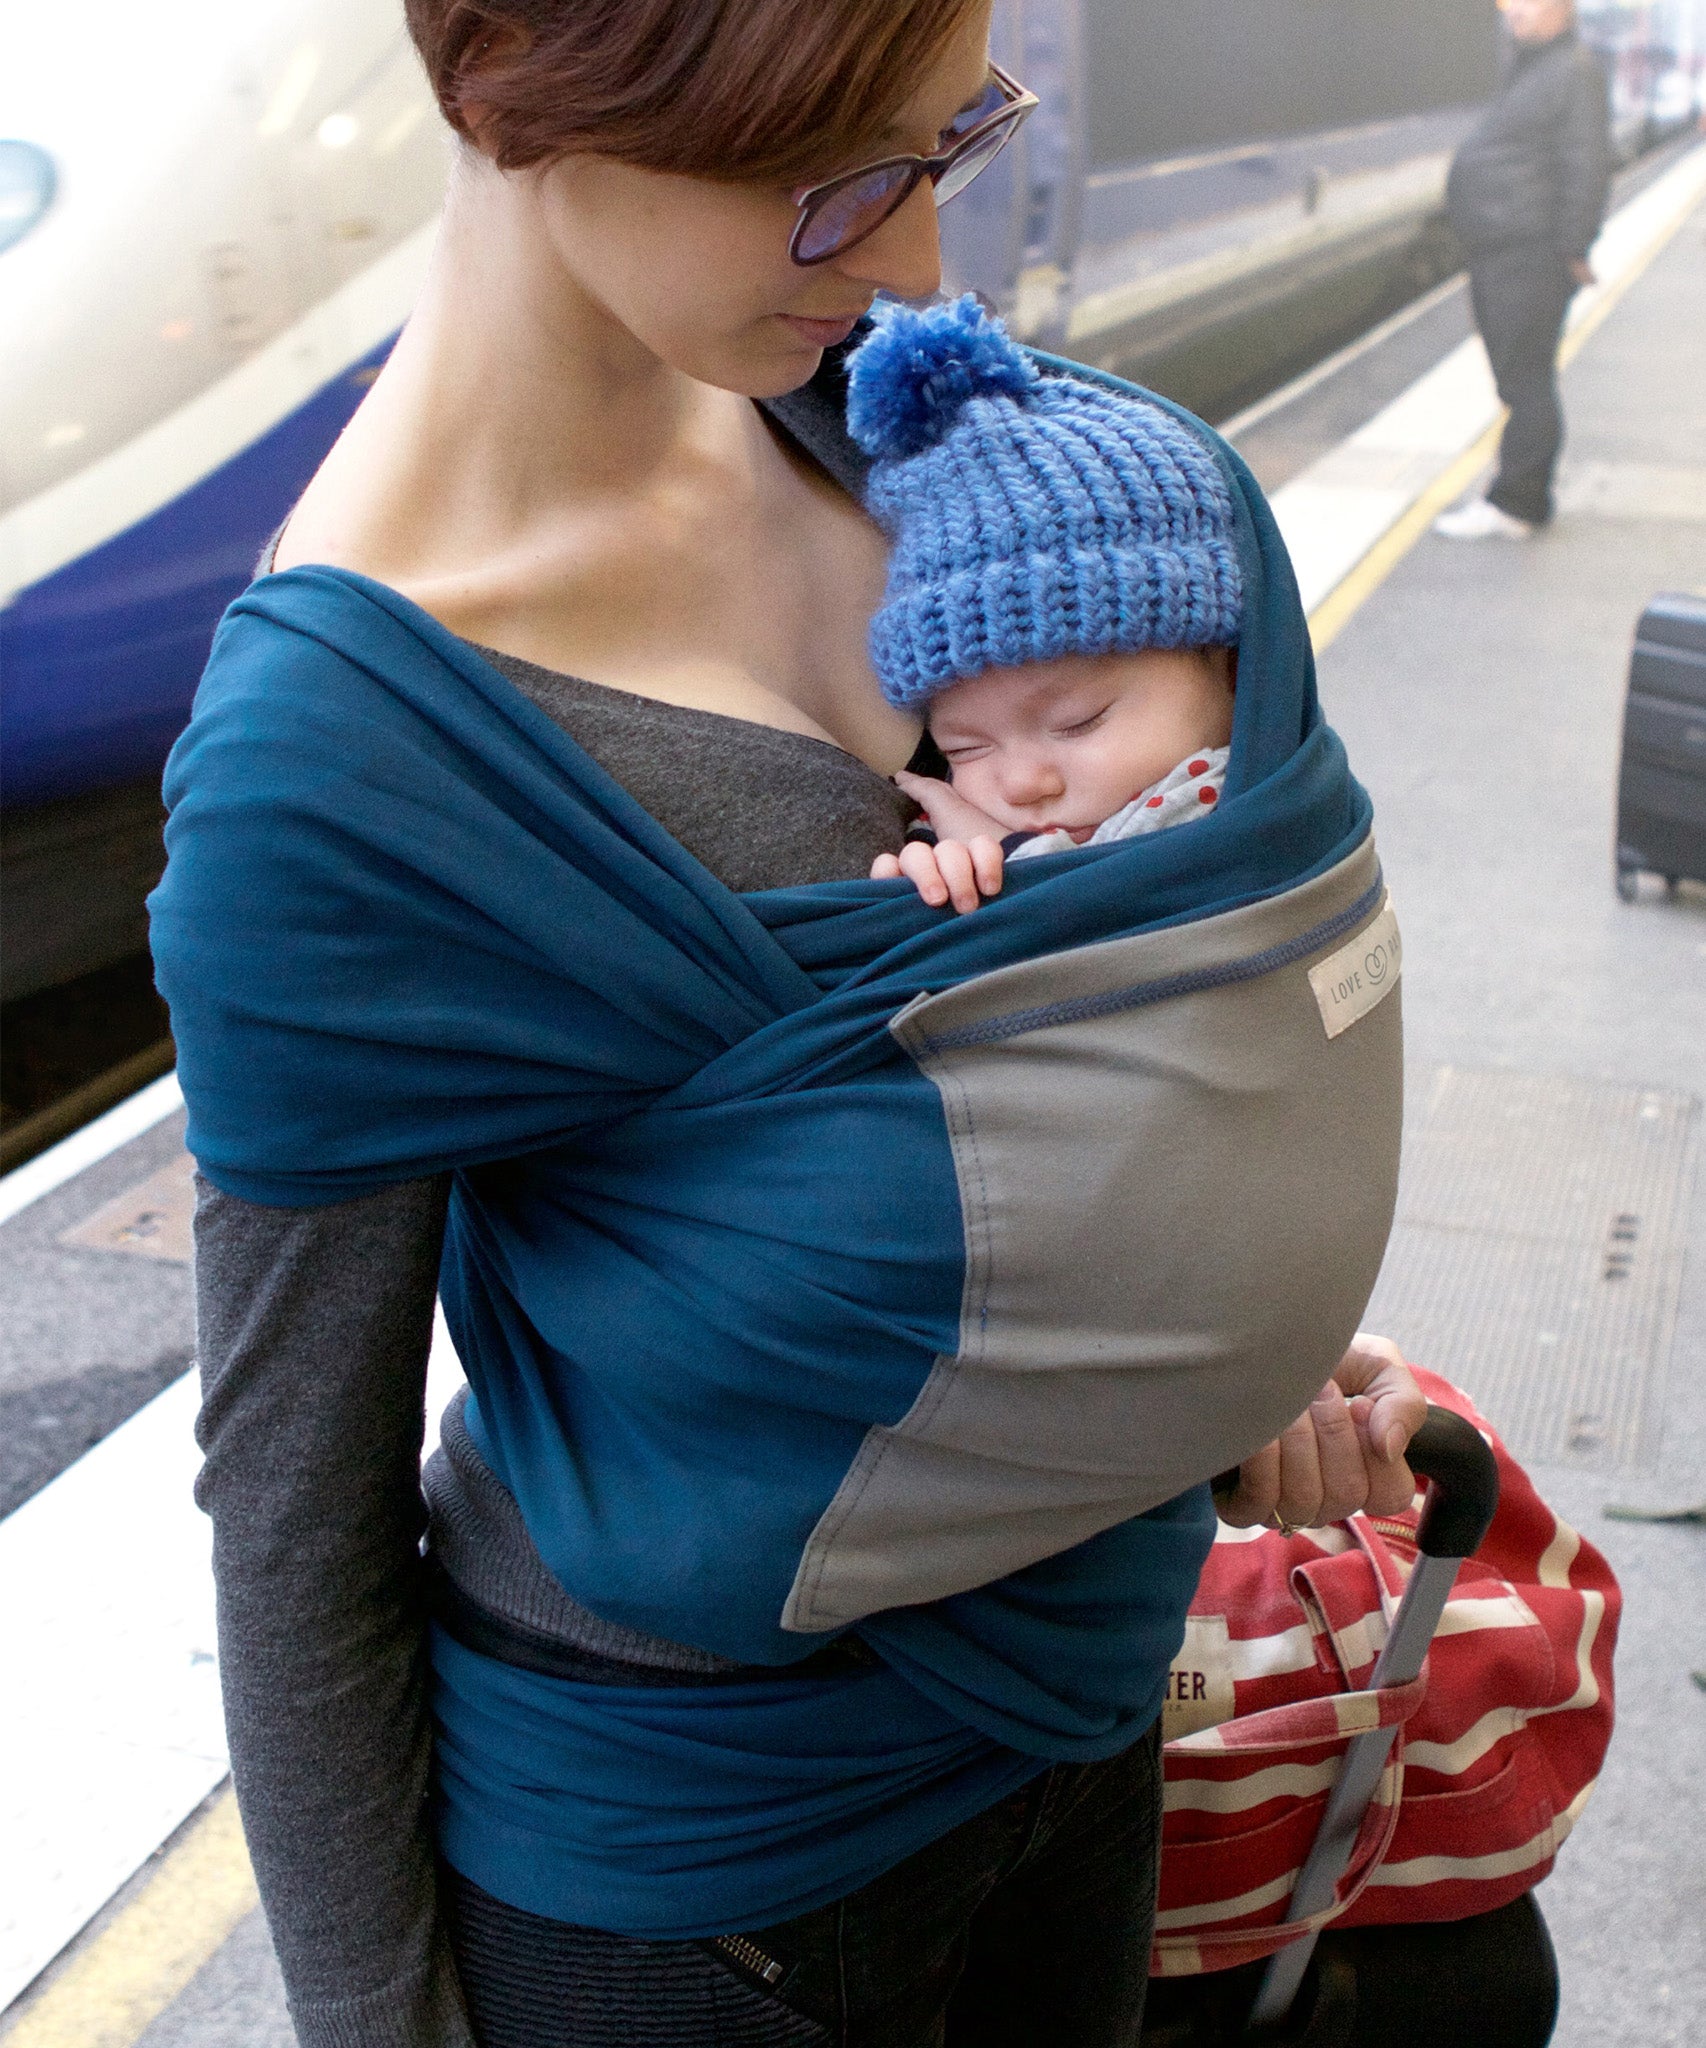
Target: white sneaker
x,y
1480,519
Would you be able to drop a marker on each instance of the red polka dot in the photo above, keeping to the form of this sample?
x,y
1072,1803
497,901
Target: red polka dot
x,y
1198,767
1206,796
1154,804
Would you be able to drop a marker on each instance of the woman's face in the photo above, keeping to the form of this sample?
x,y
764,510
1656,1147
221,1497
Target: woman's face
x,y
1537,21
699,272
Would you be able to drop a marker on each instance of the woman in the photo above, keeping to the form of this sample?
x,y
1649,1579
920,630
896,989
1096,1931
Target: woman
x,y
561,476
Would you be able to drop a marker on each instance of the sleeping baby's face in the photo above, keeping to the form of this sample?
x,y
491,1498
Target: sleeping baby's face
x,y
1065,744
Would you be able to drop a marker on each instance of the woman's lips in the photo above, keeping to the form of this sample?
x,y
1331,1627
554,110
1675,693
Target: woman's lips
x,y
822,333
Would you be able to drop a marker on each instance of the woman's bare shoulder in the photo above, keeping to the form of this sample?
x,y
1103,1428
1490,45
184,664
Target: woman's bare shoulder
x,y
729,576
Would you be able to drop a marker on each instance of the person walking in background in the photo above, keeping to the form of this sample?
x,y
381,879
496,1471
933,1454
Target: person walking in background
x,y
1526,196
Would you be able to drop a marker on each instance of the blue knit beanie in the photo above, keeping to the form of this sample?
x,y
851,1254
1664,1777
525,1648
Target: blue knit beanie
x,y
1030,516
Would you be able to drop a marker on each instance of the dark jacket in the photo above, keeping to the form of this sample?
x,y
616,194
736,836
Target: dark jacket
x,y
1536,167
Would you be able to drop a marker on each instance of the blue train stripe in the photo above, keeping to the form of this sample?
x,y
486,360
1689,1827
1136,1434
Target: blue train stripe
x,y
99,661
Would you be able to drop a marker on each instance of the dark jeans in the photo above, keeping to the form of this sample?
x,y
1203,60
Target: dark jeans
x,y
1520,296
1026,1927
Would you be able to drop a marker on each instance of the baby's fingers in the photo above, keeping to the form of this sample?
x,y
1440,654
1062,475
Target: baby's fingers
x,y
950,871
918,863
954,862
987,863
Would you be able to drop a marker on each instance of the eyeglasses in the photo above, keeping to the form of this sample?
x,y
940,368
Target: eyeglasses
x,y
840,213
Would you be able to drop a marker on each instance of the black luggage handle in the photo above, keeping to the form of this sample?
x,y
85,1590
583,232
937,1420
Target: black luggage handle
x,y
1452,1454
1463,1496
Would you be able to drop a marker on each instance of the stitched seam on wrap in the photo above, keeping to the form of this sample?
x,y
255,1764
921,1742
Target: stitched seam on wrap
x,y
945,1372
1137,996
984,1228
865,1467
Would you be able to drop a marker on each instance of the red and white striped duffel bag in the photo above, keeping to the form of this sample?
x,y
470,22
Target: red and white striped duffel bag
x,y
1497,1748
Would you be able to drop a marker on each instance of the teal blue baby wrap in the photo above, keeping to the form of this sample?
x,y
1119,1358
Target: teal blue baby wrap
x,y
727,1284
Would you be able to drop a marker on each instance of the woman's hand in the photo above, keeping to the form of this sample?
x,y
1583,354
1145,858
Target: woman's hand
x,y
1346,1452
947,871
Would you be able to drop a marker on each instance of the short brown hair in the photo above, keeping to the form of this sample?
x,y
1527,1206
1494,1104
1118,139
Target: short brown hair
x,y
748,90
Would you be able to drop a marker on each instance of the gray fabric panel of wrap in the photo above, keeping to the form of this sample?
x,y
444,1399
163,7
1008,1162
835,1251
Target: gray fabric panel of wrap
x,y
1118,1341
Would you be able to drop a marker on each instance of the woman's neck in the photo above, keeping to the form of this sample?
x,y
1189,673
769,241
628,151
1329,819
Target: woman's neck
x,y
510,395
533,476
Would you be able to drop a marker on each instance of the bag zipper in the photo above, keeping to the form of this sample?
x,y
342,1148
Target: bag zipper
x,y
750,1957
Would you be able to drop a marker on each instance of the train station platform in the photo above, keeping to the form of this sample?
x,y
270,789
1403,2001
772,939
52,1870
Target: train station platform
x,y
1550,1252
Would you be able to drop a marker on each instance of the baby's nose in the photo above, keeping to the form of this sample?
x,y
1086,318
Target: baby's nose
x,y
1031,778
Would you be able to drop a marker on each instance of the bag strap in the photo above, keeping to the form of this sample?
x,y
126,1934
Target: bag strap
x,y
1339,1717
1306,1723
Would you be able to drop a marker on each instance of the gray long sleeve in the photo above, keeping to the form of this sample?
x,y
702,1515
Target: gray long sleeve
x,y
314,1328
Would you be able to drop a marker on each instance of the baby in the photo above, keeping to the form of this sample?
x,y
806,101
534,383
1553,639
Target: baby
x,y
1063,599
1071,752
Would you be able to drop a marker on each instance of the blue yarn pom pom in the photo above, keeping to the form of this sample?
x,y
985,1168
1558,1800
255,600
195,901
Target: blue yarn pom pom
x,y
908,381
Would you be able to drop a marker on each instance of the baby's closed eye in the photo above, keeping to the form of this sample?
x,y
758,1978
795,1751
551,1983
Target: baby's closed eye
x,y
1083,725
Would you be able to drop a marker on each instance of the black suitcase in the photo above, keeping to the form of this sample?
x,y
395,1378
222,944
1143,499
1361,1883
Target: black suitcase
x,y
1487,1982
1661,788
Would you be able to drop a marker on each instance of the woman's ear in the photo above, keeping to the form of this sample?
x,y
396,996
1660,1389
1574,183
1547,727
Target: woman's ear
x,y
491,52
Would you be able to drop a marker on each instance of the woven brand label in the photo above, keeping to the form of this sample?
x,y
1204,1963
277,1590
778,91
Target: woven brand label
x,y
1361,973
1199,1686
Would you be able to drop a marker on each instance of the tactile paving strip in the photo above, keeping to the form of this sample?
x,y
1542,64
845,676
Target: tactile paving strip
x,y
1537,1255
155,1219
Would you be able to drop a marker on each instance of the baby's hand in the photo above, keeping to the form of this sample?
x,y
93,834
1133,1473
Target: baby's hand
x,y
966,859
952,870
951,815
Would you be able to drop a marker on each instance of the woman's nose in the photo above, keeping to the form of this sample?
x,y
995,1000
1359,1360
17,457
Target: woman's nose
x,y
904,256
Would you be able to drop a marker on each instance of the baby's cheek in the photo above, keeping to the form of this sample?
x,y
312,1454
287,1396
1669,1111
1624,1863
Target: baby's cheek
x,y
972,780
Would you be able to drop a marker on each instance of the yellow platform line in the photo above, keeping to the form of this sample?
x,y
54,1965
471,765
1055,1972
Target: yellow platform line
x,y
129,1972
1352,591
